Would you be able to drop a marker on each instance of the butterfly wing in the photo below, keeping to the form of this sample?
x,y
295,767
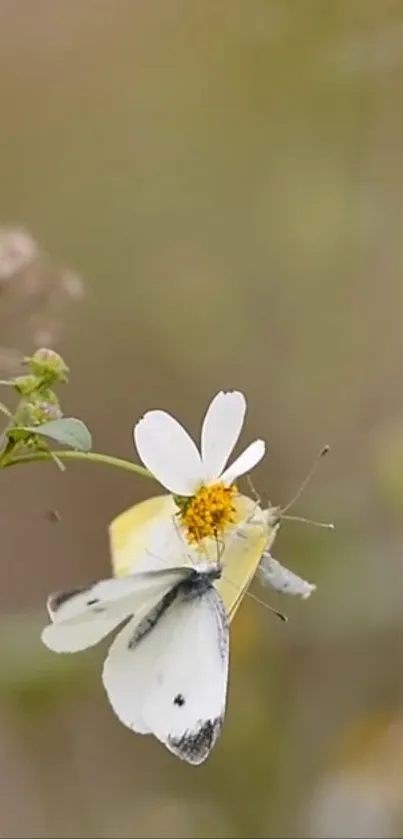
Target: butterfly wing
x,y
152,524
272,573
82,617
131,533
172,680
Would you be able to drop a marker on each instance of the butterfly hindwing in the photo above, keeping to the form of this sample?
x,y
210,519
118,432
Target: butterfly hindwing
x,y
168,673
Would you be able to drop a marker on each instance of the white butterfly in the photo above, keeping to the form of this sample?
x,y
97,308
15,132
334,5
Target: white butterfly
x,y
166,672
272,573
269,570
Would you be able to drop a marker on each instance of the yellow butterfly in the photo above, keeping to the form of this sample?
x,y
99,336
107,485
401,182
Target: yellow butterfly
x,y
130,533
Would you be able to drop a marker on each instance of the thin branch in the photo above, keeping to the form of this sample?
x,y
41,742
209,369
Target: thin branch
x,y
94,457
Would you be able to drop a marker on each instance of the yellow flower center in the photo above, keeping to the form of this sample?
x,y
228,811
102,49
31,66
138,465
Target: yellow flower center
x,y
209,512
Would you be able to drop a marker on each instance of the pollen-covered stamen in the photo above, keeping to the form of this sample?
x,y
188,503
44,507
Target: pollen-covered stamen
x,y
209,512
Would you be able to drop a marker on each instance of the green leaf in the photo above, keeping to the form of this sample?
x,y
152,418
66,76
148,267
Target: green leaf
x,y
68,431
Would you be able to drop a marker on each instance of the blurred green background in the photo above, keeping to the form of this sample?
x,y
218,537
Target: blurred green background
x,y
226,179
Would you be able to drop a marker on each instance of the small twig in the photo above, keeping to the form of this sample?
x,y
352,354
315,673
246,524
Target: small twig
x,y
94,457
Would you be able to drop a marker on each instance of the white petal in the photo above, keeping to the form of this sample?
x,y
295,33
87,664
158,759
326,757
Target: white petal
x,y
76,636
168,452
221,428
245,462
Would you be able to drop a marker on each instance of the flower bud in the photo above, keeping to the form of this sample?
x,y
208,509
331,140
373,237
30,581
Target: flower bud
x,y
42,410
48,365
25,385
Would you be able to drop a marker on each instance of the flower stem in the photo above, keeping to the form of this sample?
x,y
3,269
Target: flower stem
x,y
95,457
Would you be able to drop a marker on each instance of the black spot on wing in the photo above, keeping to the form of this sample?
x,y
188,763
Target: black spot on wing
x,y
179,700
195,746
61,597
98,610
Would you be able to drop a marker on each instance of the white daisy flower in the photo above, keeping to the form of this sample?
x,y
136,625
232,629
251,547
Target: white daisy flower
x,y
200,481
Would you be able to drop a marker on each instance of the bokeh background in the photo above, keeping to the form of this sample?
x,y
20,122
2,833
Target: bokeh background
x,y
199,196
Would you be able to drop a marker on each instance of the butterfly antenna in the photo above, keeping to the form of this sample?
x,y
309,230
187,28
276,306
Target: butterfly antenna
x,y
327,525
275,612
257,498
220,546
253,489
306,481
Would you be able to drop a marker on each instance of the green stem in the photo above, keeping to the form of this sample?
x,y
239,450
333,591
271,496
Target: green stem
x,y
95,457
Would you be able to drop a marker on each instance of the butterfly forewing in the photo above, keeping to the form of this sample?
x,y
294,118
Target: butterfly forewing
x,y
82,617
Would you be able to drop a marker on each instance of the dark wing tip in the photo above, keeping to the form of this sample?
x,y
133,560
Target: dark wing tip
x,y
195,746
59,598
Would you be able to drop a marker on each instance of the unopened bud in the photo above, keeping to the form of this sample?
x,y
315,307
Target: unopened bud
x,y
26,385
42,410
48,365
